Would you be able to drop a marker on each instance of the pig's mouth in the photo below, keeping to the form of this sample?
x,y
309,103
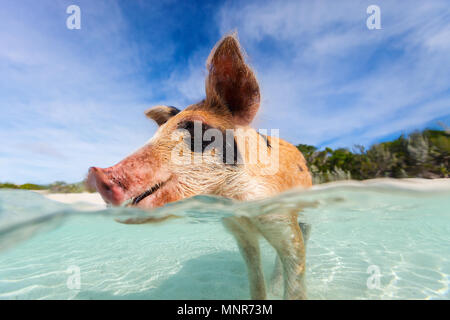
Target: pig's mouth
x,y
134,201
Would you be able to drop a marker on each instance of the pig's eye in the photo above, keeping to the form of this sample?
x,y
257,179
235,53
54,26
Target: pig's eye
x,y
198,141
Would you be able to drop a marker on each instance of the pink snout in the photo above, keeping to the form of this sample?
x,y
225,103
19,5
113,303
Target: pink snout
x,y
98,179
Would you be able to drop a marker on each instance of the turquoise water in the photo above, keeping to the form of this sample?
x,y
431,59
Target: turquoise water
x,y
400,232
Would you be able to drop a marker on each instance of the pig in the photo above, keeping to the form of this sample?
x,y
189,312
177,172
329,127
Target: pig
x,y
163,170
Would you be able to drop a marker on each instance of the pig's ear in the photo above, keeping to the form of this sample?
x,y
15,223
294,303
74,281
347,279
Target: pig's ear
x,y
161,113
231,82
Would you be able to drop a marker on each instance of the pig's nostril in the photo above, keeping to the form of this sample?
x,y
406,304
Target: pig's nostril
x,y
108,187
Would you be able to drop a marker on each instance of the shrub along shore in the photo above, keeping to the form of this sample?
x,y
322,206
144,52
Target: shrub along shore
x,y
56,187
424,154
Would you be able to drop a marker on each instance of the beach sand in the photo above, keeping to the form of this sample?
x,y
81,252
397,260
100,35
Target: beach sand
x,y
86,200
413,184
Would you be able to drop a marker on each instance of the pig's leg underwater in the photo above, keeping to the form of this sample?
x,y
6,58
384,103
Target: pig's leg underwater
x,y
285,235
276,279
246,236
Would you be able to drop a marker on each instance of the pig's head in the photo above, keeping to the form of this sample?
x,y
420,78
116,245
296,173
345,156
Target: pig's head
x,y
182,159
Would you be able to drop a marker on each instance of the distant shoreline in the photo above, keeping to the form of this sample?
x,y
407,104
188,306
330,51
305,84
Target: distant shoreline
x,y
93,201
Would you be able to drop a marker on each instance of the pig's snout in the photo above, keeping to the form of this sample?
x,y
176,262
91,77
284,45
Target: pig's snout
x,y
98,179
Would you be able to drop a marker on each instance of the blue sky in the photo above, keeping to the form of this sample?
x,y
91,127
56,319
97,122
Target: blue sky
x,y
70,99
